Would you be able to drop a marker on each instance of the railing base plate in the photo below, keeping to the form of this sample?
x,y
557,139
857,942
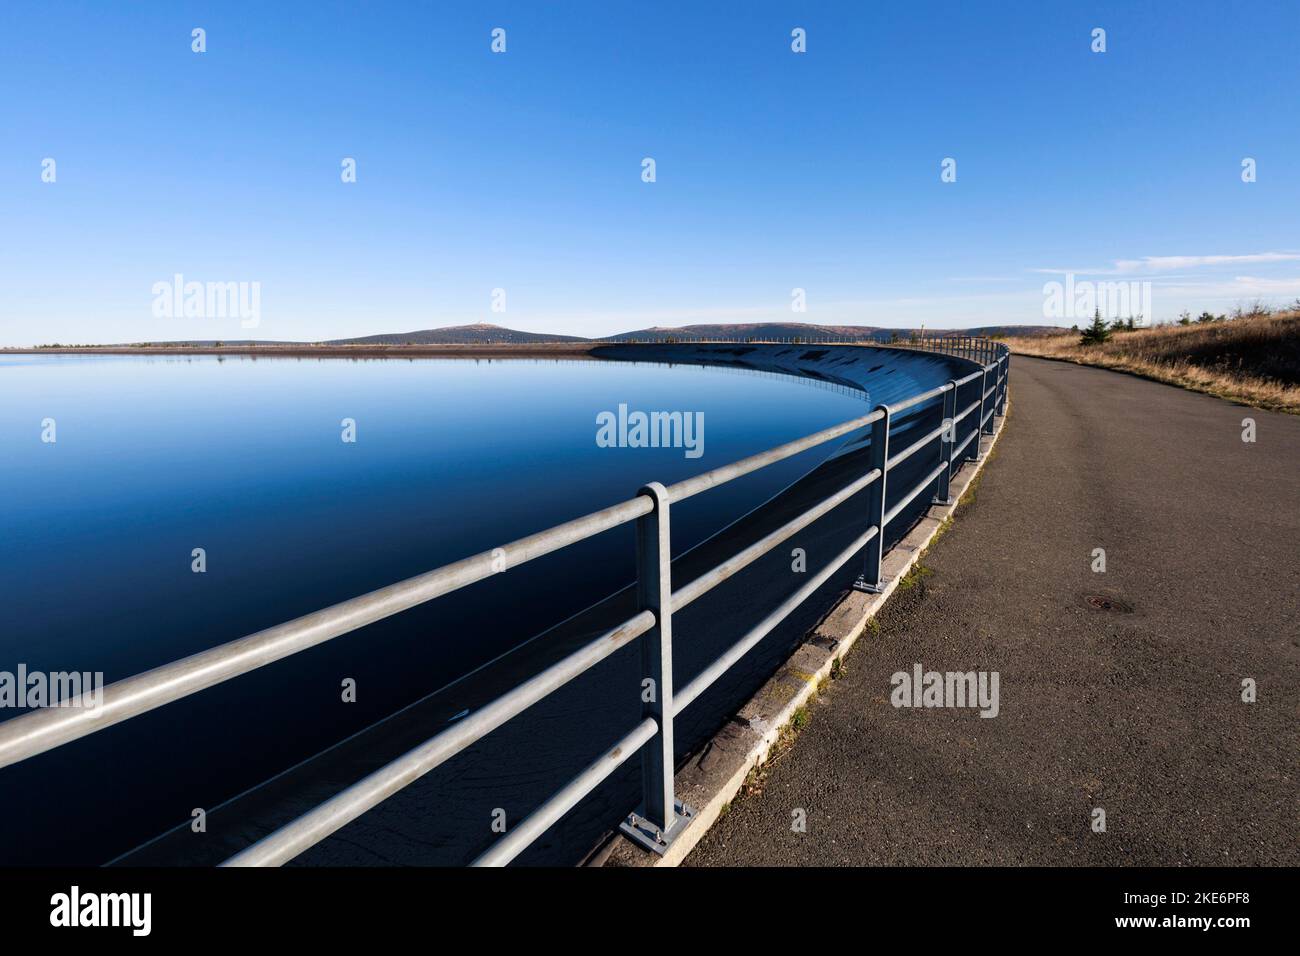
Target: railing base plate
x,y
641,831
941,501
861,584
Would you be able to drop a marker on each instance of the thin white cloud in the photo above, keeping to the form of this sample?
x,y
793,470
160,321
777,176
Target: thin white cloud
x,y
1152,264
1238,287
1157,263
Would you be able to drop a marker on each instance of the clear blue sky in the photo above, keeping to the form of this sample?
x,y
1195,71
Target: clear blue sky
x,y
522,170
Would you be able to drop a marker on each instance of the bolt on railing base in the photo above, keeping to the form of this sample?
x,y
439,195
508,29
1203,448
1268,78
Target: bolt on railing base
x,y
641,831
941,501
862,584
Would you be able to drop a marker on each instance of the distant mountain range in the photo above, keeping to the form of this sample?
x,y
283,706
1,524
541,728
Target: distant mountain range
x,y
483,333
480,333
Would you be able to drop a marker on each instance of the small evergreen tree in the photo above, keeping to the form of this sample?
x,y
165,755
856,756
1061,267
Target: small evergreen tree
x,y
1097,332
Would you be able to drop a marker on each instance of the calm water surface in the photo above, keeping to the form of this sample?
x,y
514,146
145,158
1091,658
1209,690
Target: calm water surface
x,y
156,456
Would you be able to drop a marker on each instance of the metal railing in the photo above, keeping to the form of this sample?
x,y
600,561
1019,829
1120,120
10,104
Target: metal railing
x,y
661,816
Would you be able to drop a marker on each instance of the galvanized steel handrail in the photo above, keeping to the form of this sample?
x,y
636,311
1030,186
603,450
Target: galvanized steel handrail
x,y
917,445
738,650
924,396
969,408
540,820
738,469
919,487
44,729
41,730
711,579
312,827
962,447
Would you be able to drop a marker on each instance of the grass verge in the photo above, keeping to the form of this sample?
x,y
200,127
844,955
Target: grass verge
x,y
1253,359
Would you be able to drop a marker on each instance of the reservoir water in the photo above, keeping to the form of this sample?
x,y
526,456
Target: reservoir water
x,y
309,481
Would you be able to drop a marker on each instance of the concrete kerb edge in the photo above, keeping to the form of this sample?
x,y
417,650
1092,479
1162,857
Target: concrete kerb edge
x,y
714,775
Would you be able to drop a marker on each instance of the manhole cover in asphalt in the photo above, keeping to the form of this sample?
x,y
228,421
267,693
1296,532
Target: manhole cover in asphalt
x,y
1104,603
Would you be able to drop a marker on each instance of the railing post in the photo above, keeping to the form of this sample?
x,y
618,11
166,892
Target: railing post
x,y
992,402
870,579
661,817
974,453
947,442
997,391
1002,392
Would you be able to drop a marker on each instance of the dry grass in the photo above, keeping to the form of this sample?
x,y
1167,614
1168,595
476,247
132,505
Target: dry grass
x,y
1254,359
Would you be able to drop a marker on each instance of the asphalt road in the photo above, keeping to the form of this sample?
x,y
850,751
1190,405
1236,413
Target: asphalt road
x,y
1136,710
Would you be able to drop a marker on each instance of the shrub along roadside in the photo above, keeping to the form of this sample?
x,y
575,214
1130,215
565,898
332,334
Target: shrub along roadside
x,y
1252,357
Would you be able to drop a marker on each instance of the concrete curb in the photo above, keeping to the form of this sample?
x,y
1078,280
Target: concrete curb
x,y
715,774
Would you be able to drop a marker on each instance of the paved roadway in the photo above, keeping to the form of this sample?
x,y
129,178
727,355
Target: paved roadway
x,y
1136,710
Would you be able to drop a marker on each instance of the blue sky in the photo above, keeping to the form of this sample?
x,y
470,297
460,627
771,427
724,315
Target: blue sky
x,y
522,171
